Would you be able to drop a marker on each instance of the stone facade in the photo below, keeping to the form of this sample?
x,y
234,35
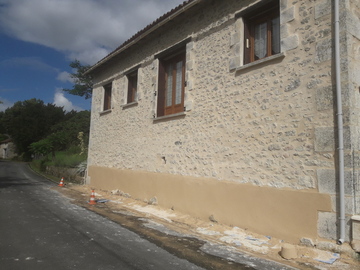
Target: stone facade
x,y
7,149
265,126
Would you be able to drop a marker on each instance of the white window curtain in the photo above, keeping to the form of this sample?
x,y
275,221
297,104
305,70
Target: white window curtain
x,y
260,40
178,82
169,86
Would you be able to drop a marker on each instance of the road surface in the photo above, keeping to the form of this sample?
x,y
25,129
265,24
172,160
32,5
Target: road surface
x,y
41,229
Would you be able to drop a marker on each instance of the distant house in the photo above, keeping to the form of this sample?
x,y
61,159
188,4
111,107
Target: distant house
x,y
7,149
229,109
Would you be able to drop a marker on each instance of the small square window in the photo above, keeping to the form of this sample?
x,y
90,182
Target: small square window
x,y
132,86
107,96
262,32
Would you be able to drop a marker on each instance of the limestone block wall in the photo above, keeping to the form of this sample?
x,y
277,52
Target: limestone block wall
x,y
250,126
352,32
326,138
268,124
7,150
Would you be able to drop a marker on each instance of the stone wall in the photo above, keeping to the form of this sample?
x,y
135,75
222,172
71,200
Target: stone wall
x,y
269,124
326,135
7,150
69,174
256,125
352,18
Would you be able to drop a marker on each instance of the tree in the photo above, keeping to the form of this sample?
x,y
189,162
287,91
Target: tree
x,y
83,82
52,143
42,147
72,125
72,131
30,121
2,127
38,128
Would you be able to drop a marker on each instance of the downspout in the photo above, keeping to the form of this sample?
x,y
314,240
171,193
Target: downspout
x,y
340,125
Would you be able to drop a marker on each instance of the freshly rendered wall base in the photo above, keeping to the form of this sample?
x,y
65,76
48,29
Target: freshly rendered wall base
x,y
283,213
355,243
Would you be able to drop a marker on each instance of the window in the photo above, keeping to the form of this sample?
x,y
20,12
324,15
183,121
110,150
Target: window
x,y
262,32
107,96
132,86
171,84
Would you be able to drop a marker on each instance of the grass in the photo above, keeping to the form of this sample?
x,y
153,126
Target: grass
x,y
66,159
70,158
34,166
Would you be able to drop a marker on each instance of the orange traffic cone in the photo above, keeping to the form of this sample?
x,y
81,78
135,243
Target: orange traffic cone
x,y
61,182
92,198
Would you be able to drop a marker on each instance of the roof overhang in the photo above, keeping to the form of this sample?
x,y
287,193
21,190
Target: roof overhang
x,y
145,32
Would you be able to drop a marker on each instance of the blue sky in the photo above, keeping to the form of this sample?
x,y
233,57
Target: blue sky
x,y
39,39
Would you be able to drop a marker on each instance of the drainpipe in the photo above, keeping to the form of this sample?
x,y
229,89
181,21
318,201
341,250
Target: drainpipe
x,y
340,125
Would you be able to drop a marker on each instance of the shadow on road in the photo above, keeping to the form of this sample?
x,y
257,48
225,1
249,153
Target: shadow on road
x,y
6,182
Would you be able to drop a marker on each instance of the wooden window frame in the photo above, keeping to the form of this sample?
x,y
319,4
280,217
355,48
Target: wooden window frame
x,y
164,64
132,86
107,96
263,14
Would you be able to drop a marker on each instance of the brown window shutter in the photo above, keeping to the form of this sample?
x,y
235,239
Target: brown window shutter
x,y
107,96
132,87
161,90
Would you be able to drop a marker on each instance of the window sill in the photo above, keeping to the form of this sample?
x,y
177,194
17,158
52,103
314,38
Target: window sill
x,y
167,117
105,112
262,61
128,105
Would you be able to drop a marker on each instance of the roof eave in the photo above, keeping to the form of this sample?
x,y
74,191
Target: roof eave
x,y
141,36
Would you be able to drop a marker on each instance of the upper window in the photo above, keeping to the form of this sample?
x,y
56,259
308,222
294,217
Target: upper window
x,y
107,96
171,84
262,32
132,86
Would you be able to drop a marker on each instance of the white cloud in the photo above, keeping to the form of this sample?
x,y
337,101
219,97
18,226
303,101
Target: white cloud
x,y
61,101
4,104
84,29
65,77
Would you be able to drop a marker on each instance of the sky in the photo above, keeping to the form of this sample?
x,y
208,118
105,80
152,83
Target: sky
x,y
40,38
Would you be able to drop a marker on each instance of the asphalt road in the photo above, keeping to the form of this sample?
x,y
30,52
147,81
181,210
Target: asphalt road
x,y
41,229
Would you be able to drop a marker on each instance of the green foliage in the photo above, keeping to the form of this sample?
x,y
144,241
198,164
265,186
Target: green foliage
x,y
42,147
39,165
2,127
70,128
58,140
3,137
30,121
43,129
68,158
83,82
53,142
64,159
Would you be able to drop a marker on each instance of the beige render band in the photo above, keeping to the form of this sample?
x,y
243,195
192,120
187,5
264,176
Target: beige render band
x,y
283,213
